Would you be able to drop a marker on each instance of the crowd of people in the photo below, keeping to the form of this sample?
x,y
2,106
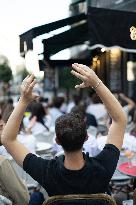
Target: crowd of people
x,y
86,135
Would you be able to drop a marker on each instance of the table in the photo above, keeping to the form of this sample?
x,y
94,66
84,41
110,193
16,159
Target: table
x,y
43,148
121,182
40,146
125,168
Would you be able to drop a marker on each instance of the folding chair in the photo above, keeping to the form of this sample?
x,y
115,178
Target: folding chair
x,y
81,199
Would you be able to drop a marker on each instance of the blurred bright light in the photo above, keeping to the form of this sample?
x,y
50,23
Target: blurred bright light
x,y
62,55
130,74
40,75
103,49
31,62
22,16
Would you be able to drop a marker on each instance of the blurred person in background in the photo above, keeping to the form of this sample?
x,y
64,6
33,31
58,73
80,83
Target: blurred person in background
x,y
25,138
44,102
55,110
128,105
89,118
75,101
39,120
66,174
11,186
97,109
63,107
133,131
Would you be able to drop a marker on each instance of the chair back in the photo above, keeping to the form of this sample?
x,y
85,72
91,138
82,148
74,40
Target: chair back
x,y
81,199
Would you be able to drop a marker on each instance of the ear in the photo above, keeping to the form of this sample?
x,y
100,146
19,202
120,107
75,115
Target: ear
x,y
86,138
57,141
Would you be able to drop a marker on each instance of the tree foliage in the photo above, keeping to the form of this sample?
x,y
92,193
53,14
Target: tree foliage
x,y
5,70
66,79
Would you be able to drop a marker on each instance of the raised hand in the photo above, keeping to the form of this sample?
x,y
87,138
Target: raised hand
x,y
84,73
27,86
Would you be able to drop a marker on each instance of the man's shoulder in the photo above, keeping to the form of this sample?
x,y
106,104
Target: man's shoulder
x,y
108,158
109,151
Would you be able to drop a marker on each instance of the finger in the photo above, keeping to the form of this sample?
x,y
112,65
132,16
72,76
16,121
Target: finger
x,y
30,79
83,67
78,75
24,83
31,86
79,69
25,86
25,78
82,85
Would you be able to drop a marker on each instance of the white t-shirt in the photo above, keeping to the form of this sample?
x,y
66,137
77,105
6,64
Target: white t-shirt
x,y
38,127
90,146
28,141
98,110
55,113
129,142
70,106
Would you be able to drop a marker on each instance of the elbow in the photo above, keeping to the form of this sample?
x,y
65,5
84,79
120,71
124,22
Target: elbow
x,y
123,120
7,139
4,139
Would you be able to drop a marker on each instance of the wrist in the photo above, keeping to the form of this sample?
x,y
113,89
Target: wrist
x,y
24,101
96,84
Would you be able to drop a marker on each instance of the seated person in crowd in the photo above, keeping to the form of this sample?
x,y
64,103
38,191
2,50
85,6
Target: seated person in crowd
x,y
133,131
55,110
129,103
39,121
89,118
128,106
97,109
66,174
11,185
25,138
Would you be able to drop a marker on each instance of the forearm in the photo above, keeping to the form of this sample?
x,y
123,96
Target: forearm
x,y
111,103
12,126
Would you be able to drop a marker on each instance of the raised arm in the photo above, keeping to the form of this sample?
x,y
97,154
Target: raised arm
x,y
9,134
90,79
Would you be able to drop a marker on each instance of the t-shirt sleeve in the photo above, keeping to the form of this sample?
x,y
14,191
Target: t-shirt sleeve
x,y
108,158
36,167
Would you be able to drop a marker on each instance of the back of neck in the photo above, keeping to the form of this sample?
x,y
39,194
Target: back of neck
x,y
74,160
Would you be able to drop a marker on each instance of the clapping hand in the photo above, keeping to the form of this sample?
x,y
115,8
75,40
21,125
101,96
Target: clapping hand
x,y
27,94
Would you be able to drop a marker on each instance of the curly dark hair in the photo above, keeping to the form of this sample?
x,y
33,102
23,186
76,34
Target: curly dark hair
x,y
71,131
